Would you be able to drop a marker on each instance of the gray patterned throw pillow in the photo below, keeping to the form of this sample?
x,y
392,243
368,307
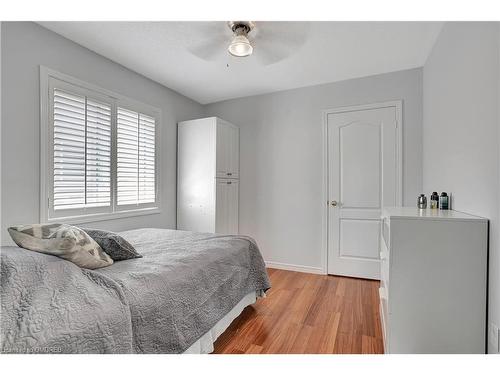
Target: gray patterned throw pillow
x,y
113,244
62,240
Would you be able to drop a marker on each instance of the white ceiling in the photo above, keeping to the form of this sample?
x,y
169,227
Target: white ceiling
x,y
191,57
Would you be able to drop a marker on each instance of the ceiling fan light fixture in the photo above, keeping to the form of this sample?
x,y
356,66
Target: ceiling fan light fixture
x,y
240,46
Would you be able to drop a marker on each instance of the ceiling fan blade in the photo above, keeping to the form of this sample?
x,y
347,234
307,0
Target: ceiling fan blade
x,y
291,33
207,40
276,41
209,50
269,53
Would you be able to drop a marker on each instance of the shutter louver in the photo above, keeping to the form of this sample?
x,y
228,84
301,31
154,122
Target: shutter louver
x,y
69,150
146,159
82,152
135,158
98,154
127,151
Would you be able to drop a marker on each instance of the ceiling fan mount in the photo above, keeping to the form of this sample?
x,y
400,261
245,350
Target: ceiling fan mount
x,y
241,26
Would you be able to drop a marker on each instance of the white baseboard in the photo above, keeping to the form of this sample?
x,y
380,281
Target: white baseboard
x,y
294,267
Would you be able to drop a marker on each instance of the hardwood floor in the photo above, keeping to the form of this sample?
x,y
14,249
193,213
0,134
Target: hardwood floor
x,y
307,313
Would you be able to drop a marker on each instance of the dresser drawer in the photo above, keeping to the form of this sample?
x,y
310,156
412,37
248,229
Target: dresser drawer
x,y
384,264
386,232
384,328
384,276
383,285
384,317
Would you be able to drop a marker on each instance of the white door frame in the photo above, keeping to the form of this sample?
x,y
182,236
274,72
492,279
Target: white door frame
x,y
398,104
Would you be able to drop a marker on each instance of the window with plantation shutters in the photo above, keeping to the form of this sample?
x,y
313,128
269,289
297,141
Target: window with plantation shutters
x,y
135,158
82,152
98,152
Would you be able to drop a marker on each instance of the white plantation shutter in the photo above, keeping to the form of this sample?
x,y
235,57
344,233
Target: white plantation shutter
x,y
135,158
98,152
82,151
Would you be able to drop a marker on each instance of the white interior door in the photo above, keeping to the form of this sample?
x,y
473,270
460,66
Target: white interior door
x,y
363,176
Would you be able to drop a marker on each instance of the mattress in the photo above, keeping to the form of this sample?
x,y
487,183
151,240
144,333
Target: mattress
x,y
205,344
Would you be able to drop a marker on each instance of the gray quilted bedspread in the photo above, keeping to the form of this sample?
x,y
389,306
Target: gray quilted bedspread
x,y
161,303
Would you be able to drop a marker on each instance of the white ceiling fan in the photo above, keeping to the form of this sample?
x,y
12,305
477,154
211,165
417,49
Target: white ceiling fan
x,y
240,46
269,42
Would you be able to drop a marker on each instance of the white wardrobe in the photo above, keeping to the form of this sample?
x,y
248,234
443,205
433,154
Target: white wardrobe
x,y
208,176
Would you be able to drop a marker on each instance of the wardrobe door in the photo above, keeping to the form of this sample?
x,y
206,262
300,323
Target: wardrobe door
x,y
223,150
233,209
228,150
226,211
234,154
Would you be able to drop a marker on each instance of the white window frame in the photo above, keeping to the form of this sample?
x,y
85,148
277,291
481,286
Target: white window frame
x,y
49,78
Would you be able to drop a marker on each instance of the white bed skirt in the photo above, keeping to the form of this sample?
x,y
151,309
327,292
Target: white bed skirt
x,y
205,343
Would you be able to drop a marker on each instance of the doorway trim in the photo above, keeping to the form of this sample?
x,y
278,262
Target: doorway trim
x,y
398,105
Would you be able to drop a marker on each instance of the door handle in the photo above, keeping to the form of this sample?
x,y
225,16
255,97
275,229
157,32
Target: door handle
x,y
334,203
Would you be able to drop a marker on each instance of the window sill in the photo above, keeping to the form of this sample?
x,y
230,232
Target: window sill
x,y
104,216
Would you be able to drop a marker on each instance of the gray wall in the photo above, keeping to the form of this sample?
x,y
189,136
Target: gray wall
x,y
281,137
460,131
25,46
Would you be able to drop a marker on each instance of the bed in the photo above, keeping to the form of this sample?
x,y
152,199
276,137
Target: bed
x,y
178,298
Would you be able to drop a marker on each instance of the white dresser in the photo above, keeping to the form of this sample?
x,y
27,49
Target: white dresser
x,y
208,176
433,287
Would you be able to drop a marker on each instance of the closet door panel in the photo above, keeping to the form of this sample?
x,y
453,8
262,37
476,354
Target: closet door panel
x,y
228,150
223,156
221,218
232,207
234,161
226,217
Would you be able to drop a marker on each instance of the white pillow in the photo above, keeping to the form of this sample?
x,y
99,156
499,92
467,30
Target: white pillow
x,y
62,240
